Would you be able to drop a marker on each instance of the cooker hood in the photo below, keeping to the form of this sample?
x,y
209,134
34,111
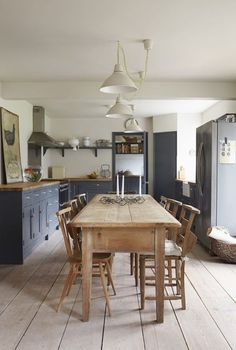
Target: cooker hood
x,y
39,137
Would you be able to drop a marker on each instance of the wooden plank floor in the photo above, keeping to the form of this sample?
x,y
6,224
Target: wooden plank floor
x,y
29,294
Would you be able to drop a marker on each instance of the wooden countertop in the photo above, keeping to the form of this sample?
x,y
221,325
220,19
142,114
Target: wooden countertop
x,y
84,178
25,186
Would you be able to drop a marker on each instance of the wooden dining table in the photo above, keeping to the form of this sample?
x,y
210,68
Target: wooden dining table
x,y
133,227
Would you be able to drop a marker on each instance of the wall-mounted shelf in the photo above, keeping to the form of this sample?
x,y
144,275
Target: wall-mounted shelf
x,y
62,149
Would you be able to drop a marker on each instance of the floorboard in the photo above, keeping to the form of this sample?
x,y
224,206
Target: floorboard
x,y
123,329
16,318
219,304
29,295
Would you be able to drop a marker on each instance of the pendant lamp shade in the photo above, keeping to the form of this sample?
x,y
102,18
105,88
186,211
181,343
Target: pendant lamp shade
x,y
118,83
119,110
132,125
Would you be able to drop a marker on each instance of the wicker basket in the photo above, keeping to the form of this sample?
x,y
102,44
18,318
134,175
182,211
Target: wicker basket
x,y
224,250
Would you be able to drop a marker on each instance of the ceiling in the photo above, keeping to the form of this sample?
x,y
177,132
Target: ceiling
x,y
75,40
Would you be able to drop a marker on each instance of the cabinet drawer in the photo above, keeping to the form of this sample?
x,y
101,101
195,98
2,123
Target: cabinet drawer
x,y
27,198
104,187
36,194
53,205
44,193
52,191
95,186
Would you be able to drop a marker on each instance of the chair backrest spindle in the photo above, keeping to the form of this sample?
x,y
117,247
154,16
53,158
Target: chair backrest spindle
x,y
71,243
186,238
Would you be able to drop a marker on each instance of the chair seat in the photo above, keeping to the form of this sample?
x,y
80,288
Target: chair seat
x,y
174,267
97,257
101,256
171,249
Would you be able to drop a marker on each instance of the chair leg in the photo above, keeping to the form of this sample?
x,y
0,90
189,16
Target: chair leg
x,y
169,270
183,300
178,277
104,286
110,262
76,270
131,263
108,267
142,280
66,288
136,268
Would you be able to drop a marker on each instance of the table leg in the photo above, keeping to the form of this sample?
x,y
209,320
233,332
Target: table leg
x,y
87,255
160,271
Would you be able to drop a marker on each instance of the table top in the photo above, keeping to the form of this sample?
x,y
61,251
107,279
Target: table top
x,y
147,214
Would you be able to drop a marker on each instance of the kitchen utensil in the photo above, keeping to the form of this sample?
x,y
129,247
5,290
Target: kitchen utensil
x,y
86,141
105,170
74,143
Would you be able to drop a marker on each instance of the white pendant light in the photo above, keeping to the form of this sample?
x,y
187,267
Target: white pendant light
x,y
118,82
132,125
121,81
119,110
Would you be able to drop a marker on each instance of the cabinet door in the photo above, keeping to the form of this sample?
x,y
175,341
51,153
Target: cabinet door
x,y
42,218
52,206
27,223
165,155
92,188
88,187
74,189
35,222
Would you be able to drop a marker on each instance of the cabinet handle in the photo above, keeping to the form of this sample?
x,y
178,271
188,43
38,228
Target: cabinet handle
x,y
31,223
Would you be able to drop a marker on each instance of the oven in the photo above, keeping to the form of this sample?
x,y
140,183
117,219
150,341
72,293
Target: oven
x,y
63,193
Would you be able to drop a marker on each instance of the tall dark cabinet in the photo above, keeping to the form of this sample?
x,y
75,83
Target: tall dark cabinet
x,y
165,163
130,158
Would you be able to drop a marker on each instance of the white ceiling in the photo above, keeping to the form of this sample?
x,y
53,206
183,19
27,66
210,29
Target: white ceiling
x,y
75,40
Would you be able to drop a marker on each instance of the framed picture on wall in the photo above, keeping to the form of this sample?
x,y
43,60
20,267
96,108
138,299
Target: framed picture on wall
x,y
11,146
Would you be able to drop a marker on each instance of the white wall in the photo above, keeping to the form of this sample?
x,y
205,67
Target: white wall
x,y
24,110
218,109
82,162
186,143
165,123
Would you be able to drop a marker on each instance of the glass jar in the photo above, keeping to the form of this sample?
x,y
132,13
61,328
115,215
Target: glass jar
x,y
86,141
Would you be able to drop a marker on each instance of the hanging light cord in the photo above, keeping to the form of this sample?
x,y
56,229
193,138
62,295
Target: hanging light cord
x,y
143,76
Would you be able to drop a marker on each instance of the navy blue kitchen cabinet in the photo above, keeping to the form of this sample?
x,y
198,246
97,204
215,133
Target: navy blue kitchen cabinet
x,y
27,218
91,188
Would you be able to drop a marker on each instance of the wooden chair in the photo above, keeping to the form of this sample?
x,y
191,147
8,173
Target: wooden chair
x,y
81,200
172,206
174,252
163,201
102,260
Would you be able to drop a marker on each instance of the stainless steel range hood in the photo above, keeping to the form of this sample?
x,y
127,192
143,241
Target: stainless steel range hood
x,y
39,137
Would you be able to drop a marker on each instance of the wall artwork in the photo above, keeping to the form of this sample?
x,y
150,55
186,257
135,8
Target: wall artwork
x,y
11,146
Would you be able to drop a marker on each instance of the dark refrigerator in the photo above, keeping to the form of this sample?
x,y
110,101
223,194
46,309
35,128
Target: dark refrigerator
x,y
216,177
